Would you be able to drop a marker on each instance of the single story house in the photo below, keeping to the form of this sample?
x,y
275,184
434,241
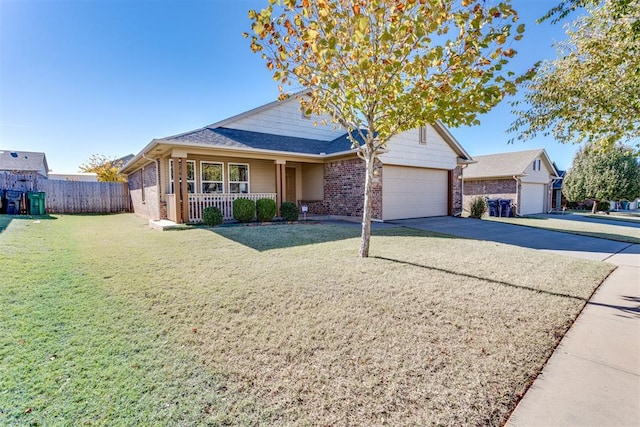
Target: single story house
x,y
525,177
275,151
24,163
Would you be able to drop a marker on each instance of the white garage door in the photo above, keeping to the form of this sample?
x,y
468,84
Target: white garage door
x,y
413,192
532,198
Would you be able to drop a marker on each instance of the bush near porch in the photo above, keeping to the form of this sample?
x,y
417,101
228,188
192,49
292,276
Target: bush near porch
x,y
103,321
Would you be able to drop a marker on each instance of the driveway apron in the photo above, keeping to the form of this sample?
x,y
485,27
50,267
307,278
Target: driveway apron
x,y
552,241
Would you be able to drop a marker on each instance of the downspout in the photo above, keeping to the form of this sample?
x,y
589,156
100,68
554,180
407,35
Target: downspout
x,y
518,195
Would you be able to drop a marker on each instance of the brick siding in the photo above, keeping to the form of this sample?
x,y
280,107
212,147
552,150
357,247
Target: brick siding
x,y
147,176
491,188
344,190
456,191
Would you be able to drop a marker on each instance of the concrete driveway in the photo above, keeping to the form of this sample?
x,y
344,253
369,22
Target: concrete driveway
x,y
566,244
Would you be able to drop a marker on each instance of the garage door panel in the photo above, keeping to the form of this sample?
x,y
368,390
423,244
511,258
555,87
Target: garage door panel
x,y
414,192
532,198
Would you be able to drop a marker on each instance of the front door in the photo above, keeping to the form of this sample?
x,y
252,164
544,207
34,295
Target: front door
x,y
290,177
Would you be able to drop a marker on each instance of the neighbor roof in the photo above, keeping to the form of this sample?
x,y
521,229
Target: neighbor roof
x,y
23,161
505,164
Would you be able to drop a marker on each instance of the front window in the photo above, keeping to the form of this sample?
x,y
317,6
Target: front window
x,y
238,178
211,177
191,176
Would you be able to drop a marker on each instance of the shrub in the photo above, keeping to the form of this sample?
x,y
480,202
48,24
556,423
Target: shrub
x,y
244,210
603,206
265,209
289,211
212,216
478,207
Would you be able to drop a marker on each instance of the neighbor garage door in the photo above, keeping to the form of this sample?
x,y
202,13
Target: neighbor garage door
x,y
413,192
532,198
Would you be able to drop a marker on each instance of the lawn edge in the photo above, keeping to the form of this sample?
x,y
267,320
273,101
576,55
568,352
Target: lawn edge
x,y
556,345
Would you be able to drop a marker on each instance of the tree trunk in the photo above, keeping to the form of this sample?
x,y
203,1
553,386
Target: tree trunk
x,y
594,209
366,213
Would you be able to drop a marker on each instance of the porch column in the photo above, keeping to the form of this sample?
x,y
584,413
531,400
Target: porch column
x,y
280,183
184,190
176,188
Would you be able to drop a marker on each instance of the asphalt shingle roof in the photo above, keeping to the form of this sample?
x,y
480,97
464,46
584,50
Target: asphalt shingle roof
x,y
226,137
502,164
26,161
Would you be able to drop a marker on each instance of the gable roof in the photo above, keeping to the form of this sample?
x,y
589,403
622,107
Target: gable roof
x,y
218,135
23,161
506,164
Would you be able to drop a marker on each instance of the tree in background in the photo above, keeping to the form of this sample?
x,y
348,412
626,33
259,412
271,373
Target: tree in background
x,y
565,7
105,167
382,67
592,91
603,173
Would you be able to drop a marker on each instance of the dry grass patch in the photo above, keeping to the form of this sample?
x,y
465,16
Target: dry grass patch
x,y
285,325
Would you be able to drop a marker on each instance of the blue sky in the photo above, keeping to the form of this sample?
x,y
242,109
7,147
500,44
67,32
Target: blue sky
x,y
105,77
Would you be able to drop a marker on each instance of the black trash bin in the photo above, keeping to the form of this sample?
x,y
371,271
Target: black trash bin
x,y
492,207
13,201
505,209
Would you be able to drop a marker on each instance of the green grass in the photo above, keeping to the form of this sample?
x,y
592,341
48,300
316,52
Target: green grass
x,y
615,232
105,322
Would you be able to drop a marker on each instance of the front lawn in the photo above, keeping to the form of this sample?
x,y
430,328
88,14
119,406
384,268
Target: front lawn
x,y
106,322
618,232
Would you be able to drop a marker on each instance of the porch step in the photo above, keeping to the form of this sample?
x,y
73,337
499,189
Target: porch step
x,y
163,224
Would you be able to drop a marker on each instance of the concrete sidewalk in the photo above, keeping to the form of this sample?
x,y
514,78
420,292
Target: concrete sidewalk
x,y
593,377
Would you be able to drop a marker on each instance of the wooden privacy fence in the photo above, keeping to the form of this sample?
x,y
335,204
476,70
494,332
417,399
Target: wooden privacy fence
x,y
73,196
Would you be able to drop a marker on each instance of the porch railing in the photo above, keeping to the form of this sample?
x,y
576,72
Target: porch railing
x,y
224,201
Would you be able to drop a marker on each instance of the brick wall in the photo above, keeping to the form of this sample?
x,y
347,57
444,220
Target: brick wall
x,y
491,188
344,190
143,187
456,191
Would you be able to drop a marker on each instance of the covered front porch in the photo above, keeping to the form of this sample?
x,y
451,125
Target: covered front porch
x,y
212,180
223,201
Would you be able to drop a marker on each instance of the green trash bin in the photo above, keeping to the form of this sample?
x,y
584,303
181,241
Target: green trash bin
x,y
36,203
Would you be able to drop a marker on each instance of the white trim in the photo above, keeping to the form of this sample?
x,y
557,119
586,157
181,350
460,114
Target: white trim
x,y
202,181
194,180
422,135
248,181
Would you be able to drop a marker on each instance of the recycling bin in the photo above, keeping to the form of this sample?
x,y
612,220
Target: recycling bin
x,y
505,208
36,202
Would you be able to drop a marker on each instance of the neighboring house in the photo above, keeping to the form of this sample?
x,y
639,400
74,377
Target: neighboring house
x,y
557,198
79,176
274,151
525,177
24,163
